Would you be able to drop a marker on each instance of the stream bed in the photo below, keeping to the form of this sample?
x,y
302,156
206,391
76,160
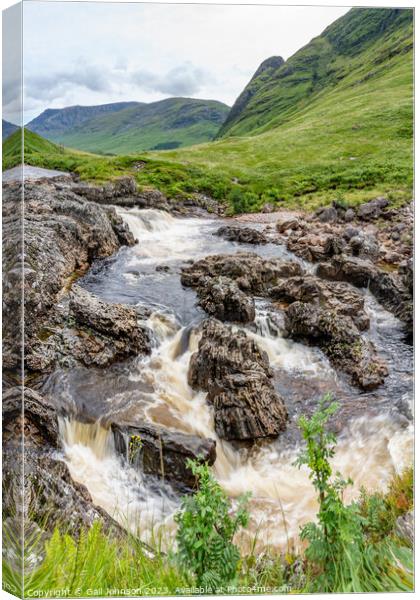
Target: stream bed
x,y
375,428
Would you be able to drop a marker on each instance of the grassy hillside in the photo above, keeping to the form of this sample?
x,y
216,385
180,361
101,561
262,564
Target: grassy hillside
x,y
170,123
283,89
352,142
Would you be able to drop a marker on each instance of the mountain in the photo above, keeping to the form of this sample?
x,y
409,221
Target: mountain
x,y
7,129
55,122
132,127
281,89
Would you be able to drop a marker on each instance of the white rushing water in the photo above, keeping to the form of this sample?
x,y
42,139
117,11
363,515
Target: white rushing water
x,y
370,450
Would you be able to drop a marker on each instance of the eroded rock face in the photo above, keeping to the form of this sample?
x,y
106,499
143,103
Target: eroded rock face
x,y
373,209
159,449
354,270
392,290
90,331
63,235
237,377
221,298
339,297
243,235
340,340
252,274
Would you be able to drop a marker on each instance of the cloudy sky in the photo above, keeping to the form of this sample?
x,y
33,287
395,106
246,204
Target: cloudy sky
x,y
92,53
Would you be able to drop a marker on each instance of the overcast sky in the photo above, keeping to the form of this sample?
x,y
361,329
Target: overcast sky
x,y
92,53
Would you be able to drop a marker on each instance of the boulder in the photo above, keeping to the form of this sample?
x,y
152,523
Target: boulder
x,y
236,375
340,340
221,298
372,210
326,214
252,274
90,331
243,235
349,215
339,297
288,223
162,453
365,246
354,270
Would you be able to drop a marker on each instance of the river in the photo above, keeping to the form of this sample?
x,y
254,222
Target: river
x,y
375,429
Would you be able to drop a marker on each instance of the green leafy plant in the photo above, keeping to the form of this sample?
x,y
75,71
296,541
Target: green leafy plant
x,y
206,530
347,549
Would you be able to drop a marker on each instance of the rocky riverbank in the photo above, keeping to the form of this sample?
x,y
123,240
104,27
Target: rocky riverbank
x,y
315,293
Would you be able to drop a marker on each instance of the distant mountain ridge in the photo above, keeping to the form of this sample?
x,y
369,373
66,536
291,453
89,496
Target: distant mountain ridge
x,y
7,129
127,127
280,89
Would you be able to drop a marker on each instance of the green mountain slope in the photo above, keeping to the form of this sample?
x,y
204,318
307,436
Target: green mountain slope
x,y
274,95
54,122
170,123
7,129
352,141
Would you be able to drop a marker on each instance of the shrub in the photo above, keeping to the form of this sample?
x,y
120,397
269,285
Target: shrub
x,y
347,548
206,530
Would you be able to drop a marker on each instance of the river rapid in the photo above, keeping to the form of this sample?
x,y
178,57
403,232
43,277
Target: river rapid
x,y
375,428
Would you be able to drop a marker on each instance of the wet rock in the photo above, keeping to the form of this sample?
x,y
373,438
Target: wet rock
x,y
326,214
64,234
358,271
122,187
251,273
373,209
221,298
88,331
163,453
365,246
338,297
243,235
388,288
49,496
236,375
340,340
288,223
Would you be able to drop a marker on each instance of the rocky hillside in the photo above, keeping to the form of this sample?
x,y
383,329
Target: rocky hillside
x,y
128,127
361,42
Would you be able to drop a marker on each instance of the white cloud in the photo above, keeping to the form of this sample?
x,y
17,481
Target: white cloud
x,y
93,53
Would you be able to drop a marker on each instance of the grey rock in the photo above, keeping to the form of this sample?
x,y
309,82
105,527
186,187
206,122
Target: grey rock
x,y
243,235
237,377
160,449
340,340
251,273
221,298
372,210
404,527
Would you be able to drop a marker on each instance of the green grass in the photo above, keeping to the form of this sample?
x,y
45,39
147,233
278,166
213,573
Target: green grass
x,y
352,141
100,563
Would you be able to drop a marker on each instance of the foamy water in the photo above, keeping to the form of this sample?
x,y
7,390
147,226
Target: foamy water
x,y
370,449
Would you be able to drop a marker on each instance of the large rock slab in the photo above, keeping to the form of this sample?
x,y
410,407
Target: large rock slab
x,y
236,375
338,297
340,340
243,235
89,331
162,453
252,274
64,234
221,298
